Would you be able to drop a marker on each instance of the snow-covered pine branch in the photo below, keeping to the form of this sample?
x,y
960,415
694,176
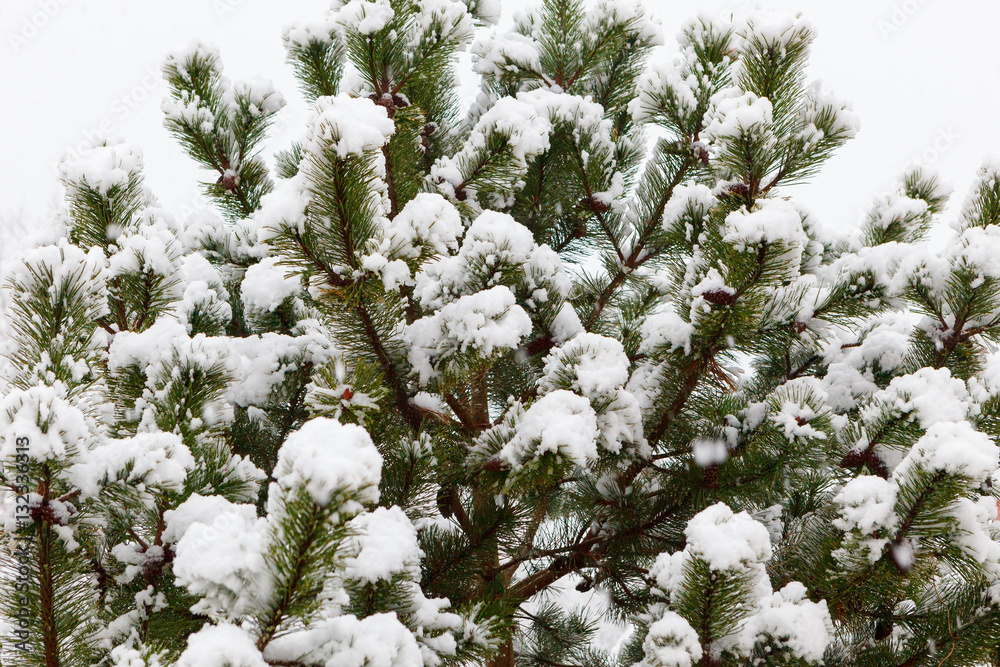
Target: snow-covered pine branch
x,y
509,387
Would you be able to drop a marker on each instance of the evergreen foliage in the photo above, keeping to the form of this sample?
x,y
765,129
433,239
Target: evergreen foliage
x,y
492,390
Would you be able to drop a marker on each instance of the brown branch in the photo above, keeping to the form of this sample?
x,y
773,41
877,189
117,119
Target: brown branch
x,y
135,536
332,277
101,322
480,400
777,177
416,67
535,583
636,258
464,416
280,610
691,380
409,412
791,375
475,172
68,496
918,503
585,552
375,79
46,580
583,61
597,213
458,510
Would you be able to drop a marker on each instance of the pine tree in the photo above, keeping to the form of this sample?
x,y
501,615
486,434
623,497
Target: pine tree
x,y
427,372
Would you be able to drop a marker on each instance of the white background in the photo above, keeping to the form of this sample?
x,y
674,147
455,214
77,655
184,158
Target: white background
x,y
923,76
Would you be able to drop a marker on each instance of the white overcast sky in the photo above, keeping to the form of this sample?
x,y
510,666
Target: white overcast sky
x,y
924,77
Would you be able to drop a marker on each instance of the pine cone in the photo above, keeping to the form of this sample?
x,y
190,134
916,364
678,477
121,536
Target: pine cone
x,y
595,205
877,465
540,344
883,628
701,151
385,100
719,297
445,496
736,190
854,459
228,181
495,464
711,476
